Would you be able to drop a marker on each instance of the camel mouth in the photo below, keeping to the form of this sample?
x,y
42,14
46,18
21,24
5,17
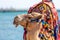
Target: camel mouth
x,y
15,23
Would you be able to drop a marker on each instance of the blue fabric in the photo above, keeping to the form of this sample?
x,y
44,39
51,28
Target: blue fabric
x,y
41,35
56,32
43,22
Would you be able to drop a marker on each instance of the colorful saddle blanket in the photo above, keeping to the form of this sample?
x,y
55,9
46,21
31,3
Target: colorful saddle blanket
x,y
49,29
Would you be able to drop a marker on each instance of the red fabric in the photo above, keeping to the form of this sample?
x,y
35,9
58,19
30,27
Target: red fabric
x,y
47,0
24,36
58,37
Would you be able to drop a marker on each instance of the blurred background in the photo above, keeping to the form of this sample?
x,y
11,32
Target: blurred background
x,y
9,9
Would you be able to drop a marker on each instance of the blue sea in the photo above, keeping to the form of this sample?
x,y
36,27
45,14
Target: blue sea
x,y
7,30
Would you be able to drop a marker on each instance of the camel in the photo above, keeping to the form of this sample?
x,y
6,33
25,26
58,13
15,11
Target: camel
x,y
33,28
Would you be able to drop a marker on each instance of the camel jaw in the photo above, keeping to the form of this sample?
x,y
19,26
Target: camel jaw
x,y
17,19
14,23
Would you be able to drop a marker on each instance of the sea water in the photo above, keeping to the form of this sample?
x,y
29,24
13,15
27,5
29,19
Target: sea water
x,y
7,30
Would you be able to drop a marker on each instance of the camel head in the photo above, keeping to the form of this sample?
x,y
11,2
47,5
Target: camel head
x,y
17,19
22,19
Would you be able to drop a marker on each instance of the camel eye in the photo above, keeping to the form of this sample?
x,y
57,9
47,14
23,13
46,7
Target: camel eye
x,y
29,17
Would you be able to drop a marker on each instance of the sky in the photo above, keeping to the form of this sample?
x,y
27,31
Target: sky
x,y
23,4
